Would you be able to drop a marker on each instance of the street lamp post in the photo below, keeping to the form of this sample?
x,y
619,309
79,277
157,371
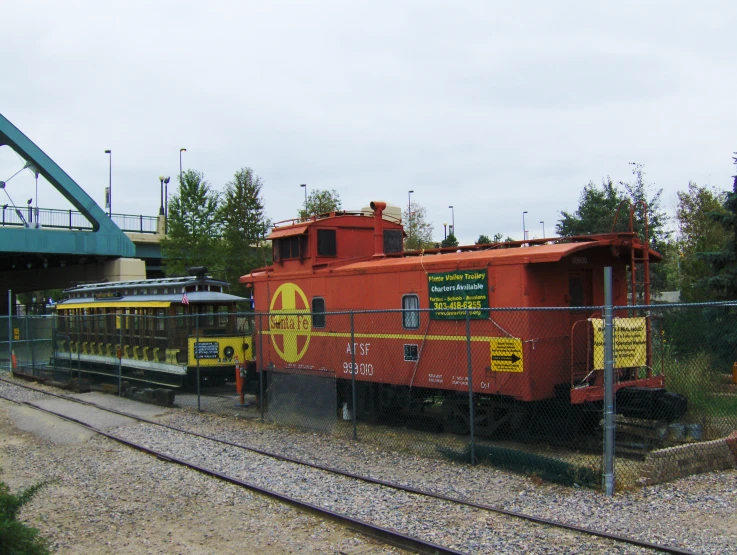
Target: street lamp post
x,y
180,180
163,180
543,222
110,184
305,188
409,215
445,230
524,228
453,222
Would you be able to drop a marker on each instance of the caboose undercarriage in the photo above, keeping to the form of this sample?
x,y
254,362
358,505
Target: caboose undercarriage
x,y
496,416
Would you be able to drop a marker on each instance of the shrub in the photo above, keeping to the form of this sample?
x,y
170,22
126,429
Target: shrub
x,y
17,538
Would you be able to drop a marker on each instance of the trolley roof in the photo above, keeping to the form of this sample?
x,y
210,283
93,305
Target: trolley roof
x,y
141,283
151,301
148,293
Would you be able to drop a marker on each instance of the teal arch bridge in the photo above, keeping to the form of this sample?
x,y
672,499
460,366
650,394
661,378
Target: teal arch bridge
x,y
47,248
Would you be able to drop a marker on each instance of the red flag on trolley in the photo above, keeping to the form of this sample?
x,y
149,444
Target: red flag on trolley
x,y
185,300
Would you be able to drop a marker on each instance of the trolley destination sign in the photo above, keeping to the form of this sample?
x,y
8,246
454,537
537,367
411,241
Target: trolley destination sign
x,y
452,294
206,349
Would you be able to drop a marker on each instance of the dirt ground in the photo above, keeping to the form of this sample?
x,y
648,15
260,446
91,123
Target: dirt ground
x,y
106,498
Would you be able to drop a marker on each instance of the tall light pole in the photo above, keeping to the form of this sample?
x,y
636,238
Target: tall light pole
x,y
409,215
524,229
110,185
543,222
180,180
445,230
305,187
163,180
453,221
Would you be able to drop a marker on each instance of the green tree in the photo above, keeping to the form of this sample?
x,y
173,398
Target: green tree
x,y
639,192
698,232
598,207
498,238
418,229
722,283
194,226
595,212
321,202
449,241
244,227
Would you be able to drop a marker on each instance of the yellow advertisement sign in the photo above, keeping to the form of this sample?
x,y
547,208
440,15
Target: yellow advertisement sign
x,y
506,354
630,342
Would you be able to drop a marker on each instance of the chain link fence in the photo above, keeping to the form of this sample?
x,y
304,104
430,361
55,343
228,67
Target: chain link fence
x,y
400,379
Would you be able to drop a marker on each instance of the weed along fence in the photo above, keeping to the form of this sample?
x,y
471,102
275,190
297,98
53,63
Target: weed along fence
x,y
598,396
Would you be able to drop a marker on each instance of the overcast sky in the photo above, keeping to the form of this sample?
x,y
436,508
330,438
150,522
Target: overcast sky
x,y
494,108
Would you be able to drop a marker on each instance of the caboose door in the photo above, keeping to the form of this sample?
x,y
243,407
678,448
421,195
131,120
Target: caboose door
x,y
580,292
580,295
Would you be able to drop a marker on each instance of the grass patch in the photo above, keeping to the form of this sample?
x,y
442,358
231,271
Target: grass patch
x,y
694,377
545,468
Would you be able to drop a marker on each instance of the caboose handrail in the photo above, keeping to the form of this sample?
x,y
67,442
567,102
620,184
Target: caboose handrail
x,y
325,215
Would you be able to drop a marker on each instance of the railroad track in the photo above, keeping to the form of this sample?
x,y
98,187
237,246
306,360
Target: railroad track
x,y
390,536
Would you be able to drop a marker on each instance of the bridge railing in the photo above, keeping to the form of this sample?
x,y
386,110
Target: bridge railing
x,y
71,219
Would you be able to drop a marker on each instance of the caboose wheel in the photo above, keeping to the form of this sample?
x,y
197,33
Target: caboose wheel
x,y
455,420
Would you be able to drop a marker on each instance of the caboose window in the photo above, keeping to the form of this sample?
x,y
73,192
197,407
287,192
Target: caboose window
x,y
326,242
289,247
392,241
411,312
318,312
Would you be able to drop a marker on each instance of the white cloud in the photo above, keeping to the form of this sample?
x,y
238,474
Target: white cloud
x,y
495,109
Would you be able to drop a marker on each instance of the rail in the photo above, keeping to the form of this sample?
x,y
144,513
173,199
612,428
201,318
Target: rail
x,y
53,218
394,537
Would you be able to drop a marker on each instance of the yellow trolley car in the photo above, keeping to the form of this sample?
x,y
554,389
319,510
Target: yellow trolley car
x,y
161,331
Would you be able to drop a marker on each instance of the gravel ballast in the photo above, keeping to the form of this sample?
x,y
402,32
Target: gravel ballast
x,y
108,497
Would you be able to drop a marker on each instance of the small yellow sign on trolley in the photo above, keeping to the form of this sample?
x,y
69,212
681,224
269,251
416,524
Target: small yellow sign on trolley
x,y
16,334
506,354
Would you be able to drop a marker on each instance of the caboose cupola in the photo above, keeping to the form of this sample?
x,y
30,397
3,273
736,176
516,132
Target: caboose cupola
x,y
338,237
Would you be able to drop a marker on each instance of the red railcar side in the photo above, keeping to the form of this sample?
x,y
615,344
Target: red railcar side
x,y
355,262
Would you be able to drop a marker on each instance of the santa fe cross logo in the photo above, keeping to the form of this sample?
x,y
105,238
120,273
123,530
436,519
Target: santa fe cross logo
x,y
290,322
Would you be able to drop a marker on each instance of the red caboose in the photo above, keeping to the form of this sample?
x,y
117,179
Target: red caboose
x,y
446,322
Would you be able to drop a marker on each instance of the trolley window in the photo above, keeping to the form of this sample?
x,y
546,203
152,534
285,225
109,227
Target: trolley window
x,y
318,312
160,319
411,312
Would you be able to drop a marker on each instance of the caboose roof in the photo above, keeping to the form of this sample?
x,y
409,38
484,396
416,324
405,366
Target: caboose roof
x,y
477,256
534,254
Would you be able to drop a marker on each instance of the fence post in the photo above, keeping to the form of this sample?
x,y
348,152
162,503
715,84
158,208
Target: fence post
x,y
608,385
33,352
28,347
10,331
353,377
79,342
197,353
119,354
470,386
261,366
